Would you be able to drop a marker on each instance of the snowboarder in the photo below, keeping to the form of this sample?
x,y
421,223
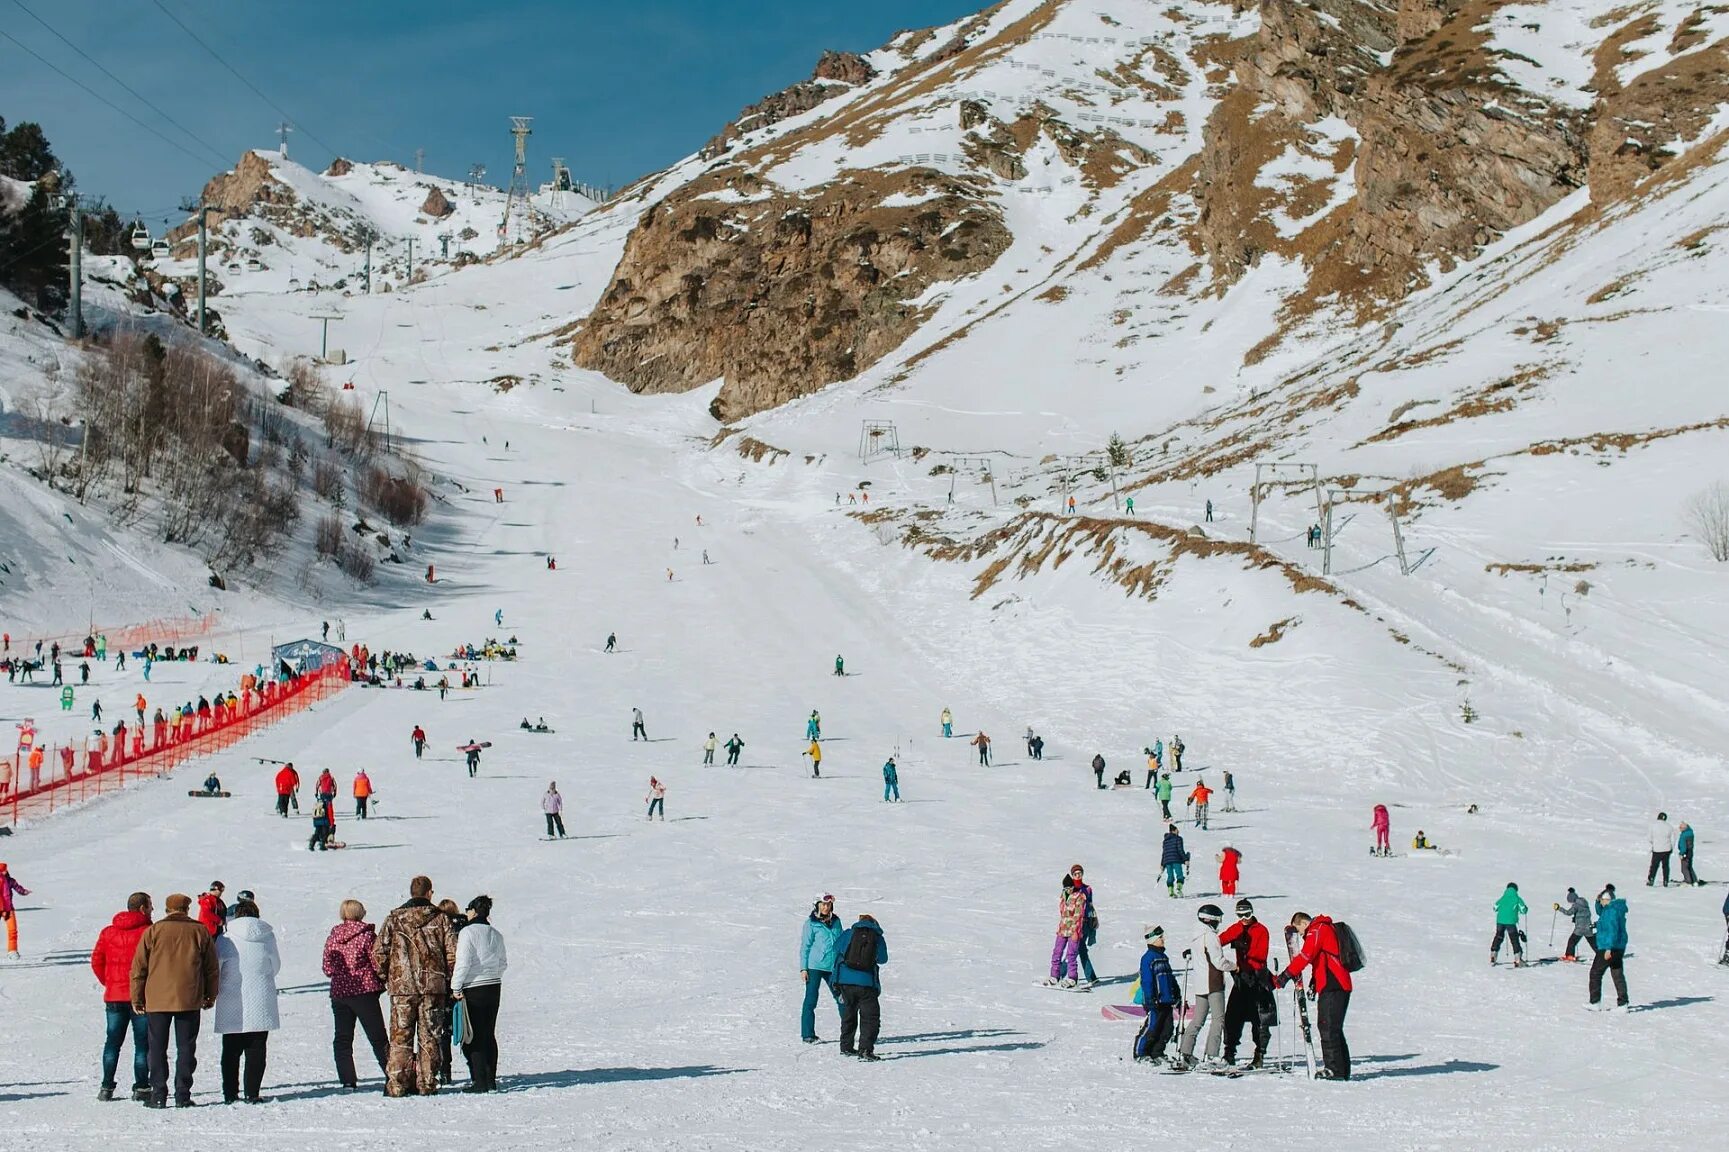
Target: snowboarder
x,y
1251,1000
656,799
1382,823
817,961
1209,997
1099,769
362,793
1198,798
472,750
637,729
1230,861
1508,909
1611,946
859,952
212,785
1177,750
1172,858
9,910
948,719
1662,847
552,804
733,747
839,666
1330,982
1089,926
418,737
1071,916
891,781
815,754
1230,792
1163,792
611,641
1684,848
1159,994
1578,910
983,744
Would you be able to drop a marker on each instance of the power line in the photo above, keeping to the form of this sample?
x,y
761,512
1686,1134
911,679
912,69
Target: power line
x,y
140,97
95,95
256,91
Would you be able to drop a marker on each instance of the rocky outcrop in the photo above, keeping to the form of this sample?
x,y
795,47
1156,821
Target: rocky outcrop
x,y
835,73
341,166
780,294
437,205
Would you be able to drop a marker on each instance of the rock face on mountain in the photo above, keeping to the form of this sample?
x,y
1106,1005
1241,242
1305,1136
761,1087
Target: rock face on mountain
x,y
437,205
835,72
782,293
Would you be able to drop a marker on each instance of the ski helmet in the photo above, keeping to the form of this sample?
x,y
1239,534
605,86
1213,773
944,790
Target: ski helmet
x,y
1210,915
1244,908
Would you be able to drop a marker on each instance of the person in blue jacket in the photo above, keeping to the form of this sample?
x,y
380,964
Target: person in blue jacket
x,y
1684,841
816,962
1159,994
1611,945
891,781
1172,857
860,987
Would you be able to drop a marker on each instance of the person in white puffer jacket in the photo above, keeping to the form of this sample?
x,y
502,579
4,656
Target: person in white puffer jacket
x,y
1662,847
480,965
245,1014
1211,960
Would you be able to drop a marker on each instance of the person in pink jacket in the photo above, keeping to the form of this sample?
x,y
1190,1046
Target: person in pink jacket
x,y
1383,826
8,911
354,990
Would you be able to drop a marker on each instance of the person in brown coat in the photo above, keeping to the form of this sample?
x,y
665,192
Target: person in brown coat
x,y
415,953
174,977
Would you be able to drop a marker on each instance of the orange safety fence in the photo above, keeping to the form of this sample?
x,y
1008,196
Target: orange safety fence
x,y
68,774
163,630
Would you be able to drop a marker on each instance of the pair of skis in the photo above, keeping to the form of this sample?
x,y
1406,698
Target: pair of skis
x,y
1302,1002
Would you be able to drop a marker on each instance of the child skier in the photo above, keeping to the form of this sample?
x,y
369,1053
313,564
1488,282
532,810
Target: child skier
x,y
1578,909
1159,994
1508,909
948,719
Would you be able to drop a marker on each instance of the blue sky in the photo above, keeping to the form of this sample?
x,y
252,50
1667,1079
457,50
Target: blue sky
x,y
619,89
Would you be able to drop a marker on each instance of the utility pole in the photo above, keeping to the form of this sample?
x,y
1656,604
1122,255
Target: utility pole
x,y
444,239
75,262
520,131
408,267
204,211
282,131
369,261
419,160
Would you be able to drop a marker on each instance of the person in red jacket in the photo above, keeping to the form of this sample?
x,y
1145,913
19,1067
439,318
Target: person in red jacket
x,y
212,911
287,783
1331,984
1229,861
111,960
419,738
1251,1000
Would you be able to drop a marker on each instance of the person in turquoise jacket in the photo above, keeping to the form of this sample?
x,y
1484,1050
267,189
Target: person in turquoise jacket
x,y
1611,945
891,781
860,989
1684,841
1508,909
1163,792
816,962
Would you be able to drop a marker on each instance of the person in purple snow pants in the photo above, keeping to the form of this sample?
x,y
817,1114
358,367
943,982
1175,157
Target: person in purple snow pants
x,y
1071,920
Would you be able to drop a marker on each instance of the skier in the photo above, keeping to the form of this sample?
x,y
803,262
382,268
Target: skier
x,y
552,804
1251,1000
611,641
1089,926
362,793
815,754
9,910
325,790
1099,769
473,755
1230,792
733,747
1129,505
1152,769
983,744
1229,861
1160,995
1038,747
323,826
1199,798
1331,983
1578,909
287,783
948,719
498,618
1163,792
1662,847
1507,911
1071,505
1177,750
656,799
1611,945
817,961
637,730
1029,738
891,781
813,726
839,666
418,737
1382,823
1172,857
1209,997
1684,848
1071,916
708,747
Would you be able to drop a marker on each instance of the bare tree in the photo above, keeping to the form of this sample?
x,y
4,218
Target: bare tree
x,y
1707,516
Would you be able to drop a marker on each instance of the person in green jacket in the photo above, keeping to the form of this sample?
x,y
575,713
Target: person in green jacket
x,y
1163,792
1508,909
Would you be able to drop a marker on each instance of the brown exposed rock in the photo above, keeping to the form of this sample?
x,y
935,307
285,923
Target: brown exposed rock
x,y
834,73
778,293
437,204
341,166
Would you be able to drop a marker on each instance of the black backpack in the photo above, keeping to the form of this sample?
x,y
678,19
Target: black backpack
x,y
1351,956
861,949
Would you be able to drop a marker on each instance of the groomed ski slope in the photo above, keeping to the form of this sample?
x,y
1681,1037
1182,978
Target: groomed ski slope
x,y
653,992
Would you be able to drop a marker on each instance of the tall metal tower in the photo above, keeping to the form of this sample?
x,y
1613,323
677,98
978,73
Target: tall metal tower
x,y
517,198
560,181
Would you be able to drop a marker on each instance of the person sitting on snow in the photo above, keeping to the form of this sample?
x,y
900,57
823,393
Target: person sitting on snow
x,y
212,785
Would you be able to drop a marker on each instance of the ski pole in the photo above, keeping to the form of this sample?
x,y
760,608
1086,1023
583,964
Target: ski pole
x,y
1183,997
1552,917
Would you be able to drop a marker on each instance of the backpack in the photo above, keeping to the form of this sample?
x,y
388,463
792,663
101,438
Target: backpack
x,y
1351,956
861,949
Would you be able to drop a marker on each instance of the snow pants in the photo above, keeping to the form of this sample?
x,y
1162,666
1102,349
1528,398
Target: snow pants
x,y
1658,860
1330,1007
1383,840
1230,799
861,1013
1155,1032
364,1010
1511,933
638,732
1573,942
1064,957
12,932
891,784
1250,1002
1610,962
1209,1007
282,804
480,1005
554,825
417,1025
1201,814
1687,876
948,730
1173,876
1227,883
1088,937
813,982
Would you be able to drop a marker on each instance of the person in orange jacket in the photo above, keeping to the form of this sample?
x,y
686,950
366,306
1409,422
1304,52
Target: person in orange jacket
x,y
35,767
362,793
138,705
1198,801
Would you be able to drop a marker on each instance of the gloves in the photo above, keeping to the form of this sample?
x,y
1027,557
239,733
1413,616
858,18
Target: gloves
x,y
1556,907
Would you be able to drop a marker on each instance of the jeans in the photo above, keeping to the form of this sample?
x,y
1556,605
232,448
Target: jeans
x,y
1330,1009
813,982
185,1026
1610,962
1210,1006
657,804
251,1045
365,1010
1510,932
1086,960
554,823
860,1013
1658,859
480,1005
121,1017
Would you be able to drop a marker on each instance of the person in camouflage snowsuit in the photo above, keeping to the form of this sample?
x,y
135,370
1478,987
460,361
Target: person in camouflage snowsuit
x,y
415,953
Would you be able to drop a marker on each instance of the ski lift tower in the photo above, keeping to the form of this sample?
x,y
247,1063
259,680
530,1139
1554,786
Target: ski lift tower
x,y
1360,496
982,465
1309,471
519,128
560,181
878,438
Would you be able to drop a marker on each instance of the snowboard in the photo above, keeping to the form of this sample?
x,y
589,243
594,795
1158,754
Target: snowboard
x,y
474,747
211,795
534,731
1123,1012
1082,987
